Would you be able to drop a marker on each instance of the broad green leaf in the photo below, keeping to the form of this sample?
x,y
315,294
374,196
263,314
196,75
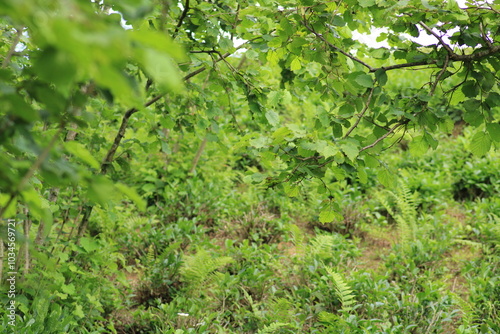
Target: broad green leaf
x,y
328,150
291,190
274,98
159,66
480,143
90,245
272,117
381,77
132,195
158,41
494,131
350,149
280,135
366,3
362,175
364,80
387,178
295,64
328,214
260,142
470,88
78,311
80,151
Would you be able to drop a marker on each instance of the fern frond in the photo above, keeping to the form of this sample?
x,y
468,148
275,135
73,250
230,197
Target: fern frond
x,y
272,327
328,317
282,309
150,256
404,211
200,268
322,246
342,290
467,309
298,238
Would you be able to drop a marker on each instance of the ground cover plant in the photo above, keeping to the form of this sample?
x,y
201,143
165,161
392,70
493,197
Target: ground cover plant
x,y
249,167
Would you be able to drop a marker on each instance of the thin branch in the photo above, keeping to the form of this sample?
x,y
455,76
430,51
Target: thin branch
x,y
348,55
484,36
40,159
12,49
182,17
430,31
360,115
440,74
391,130
397,66
476,55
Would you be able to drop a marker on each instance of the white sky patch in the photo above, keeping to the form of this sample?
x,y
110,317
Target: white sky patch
x,y
425,39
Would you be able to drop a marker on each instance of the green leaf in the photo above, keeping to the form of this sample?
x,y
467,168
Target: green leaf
x,y
350,149
274,98
362,175
364,80
328,214
158,41
381,77
81,152
272,117
387,178
494,131
366,3
132,195
79,311
470,88
480,143
159,66
291,190
90,245
295,64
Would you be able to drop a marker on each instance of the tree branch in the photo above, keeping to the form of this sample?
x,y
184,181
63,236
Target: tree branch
x,y
12,49
38,162
360,115
182,17
413,64
348,55
391,130
429,30
440,74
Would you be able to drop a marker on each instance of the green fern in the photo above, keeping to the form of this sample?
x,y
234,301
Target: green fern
x,y
328,318
322,246
272,328
403,210
282,309
200,268
342,290
298,238
467,309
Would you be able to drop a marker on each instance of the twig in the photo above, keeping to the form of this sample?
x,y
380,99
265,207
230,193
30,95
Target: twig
x,y
12,49
360,115
182,17
429,30
348,55
393,67
440,74
391,130
40,159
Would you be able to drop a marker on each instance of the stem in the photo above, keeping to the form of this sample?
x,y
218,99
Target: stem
x,y
391,130
348,55
41,158
181,19
198,155
12,49
360,115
